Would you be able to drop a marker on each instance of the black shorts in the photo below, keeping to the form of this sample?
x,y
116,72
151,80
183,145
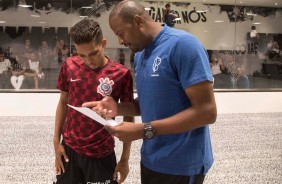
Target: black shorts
x,y
151,177
87,170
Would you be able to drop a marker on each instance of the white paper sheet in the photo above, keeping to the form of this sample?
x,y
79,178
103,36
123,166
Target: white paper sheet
x,y
93,115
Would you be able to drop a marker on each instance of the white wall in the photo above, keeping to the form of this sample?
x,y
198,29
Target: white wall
x,y
44,104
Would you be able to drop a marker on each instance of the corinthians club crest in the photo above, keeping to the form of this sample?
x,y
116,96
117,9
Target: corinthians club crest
x,y
105,86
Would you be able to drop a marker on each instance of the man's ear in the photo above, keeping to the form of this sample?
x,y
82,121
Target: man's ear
x,y
138,20
104,42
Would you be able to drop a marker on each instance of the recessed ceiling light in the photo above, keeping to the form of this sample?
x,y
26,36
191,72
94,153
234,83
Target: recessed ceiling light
x,y
35,15
87,7
276,4
241,2
251,14
257,23
176,19
42,22
25,5
201,11
206,31
218,21
83,16
2,22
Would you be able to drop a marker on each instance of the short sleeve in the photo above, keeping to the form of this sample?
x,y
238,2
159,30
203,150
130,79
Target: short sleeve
x,y
126,94
191,61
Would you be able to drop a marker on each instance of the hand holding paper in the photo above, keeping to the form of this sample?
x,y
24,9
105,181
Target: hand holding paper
x,y
107,106
93,115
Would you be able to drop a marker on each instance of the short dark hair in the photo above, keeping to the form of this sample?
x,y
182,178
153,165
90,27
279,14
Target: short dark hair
x,y
167,5
85,31
253,27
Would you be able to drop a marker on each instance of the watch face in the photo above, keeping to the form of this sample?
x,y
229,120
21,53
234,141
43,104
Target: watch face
x,y
149,134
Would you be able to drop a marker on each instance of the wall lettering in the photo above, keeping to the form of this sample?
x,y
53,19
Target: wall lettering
x,y
187,17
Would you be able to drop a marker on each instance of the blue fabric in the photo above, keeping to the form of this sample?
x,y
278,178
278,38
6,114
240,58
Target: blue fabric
x,y
174,61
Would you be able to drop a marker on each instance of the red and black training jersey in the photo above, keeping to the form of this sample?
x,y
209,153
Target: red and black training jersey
x,y
82,134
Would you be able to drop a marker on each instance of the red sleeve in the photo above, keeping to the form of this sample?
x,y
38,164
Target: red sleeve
x,y
127,88
63,82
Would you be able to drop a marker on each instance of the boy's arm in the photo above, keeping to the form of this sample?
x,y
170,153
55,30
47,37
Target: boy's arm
x,y
127,96
123,166
60,118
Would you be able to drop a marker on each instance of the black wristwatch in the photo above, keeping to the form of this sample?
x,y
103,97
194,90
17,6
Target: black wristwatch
x,y
149,132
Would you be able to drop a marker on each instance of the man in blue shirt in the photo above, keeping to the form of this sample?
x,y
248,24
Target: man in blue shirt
x,y
169,16
175,96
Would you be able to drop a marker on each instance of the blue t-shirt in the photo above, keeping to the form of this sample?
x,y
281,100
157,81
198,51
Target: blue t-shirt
x,y
174,61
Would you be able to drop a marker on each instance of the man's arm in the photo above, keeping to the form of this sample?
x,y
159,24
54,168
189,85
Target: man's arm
x,y
60,118
173,14
202,112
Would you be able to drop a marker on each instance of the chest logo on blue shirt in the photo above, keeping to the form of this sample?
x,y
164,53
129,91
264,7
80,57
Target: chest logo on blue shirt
x,y
155,67
105,87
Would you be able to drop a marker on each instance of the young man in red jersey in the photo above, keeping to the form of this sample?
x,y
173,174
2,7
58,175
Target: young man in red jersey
x,y
86,152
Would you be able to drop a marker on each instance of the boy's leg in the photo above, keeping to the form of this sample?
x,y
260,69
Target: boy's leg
x,y
99,170
72,174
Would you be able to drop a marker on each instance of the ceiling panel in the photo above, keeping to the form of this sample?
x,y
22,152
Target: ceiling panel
x,y
262,3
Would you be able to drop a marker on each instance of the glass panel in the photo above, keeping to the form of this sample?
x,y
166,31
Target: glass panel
x,y
243,40
258,46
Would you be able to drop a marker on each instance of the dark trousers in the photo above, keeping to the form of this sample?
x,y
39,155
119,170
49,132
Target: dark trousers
x,y
151,177
85,170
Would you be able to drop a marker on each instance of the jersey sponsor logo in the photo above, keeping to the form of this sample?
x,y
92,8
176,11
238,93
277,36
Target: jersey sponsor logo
x,y
155,67
74,80
105,87
105,182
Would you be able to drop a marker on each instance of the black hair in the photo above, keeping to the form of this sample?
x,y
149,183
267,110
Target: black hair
x,y
85,31
167,5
